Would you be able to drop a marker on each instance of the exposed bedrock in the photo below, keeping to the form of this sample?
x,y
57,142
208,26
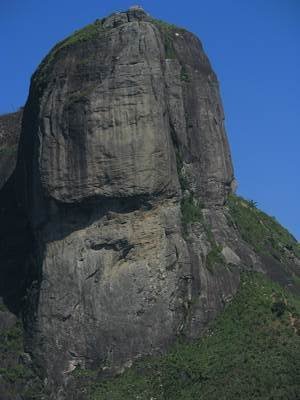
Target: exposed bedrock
x,y
10,128
123,136
107,115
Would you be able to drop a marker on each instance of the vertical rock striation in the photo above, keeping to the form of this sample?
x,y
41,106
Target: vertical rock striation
x,y
124,171
118,115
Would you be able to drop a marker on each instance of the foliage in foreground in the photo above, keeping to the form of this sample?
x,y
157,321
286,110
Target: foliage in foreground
x,y
16,378
252,351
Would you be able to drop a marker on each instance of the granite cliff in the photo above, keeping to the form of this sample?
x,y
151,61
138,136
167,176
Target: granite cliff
x,y
130,235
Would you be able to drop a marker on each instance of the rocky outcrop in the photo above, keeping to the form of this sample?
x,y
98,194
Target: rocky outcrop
x,y
10,128
15,236
114,108
124,172
112,115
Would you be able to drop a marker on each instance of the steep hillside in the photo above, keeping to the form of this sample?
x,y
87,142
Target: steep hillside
x,y
129,237
251,351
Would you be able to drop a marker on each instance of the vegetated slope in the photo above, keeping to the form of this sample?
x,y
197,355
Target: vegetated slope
x,y
278,249
17,376
263,232
252,351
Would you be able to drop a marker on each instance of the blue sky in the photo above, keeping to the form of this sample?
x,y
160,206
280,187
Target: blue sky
x,y
254,47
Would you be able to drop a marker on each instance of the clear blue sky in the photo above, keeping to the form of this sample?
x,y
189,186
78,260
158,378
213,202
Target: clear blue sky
x,y
254,47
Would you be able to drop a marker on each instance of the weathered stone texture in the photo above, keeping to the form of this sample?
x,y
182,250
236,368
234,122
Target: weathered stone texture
x,y
106,115
123,121
10,128
106,125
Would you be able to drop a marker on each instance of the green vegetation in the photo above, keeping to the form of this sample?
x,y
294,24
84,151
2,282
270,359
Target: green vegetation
x,y
184,75
214,257
8,151
81,96
167,26
11,348
182,178
250,352
264,233
87,33
190,207
11,340
191,210
168,32
16,373
168,43
92,31
19,378
97,29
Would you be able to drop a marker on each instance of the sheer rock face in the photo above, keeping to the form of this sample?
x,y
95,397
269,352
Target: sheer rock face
x,y
122,140
114,109
123,120
109,124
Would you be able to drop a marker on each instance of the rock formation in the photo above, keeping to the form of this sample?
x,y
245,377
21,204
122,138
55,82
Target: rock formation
x,y
123,173
10,127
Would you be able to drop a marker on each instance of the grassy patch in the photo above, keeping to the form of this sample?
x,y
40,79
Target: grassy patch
x,y
184,75
8,151
190,210
89,32
214,257
95,30
11,340
19,379
264,233
168,32
166,25
250,352
16,373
